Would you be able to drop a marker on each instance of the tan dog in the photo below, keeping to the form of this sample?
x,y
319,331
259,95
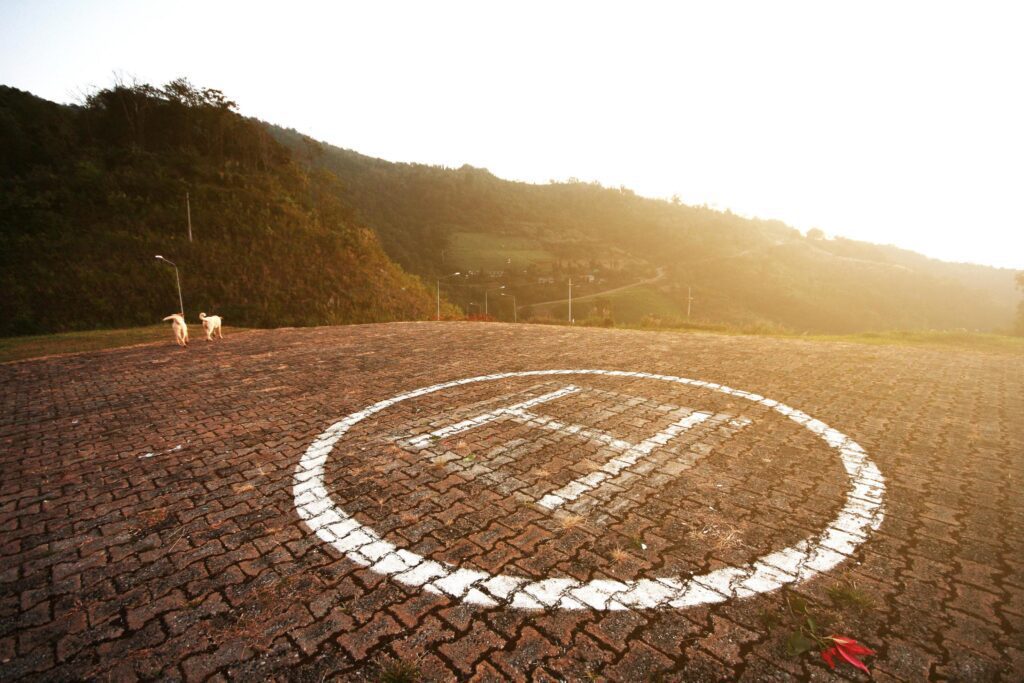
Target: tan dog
x,y
212,325
180,329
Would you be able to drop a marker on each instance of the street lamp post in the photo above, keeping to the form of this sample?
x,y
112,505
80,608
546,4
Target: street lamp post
x,y
570,301
486,292
177,281
439,292
515,308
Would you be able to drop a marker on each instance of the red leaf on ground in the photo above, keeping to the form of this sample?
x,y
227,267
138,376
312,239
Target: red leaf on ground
x,y
851,646
828,654
848,649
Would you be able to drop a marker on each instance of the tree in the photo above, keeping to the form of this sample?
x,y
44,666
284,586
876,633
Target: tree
x,y
100,186
815,234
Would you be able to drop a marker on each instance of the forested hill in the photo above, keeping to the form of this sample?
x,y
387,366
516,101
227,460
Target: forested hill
x,y
289,231
89,194
757,273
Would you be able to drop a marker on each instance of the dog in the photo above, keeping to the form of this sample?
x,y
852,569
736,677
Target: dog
x,y
212,325
180,329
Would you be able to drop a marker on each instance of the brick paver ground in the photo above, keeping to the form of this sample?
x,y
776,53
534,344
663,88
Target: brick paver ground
x,y
148,526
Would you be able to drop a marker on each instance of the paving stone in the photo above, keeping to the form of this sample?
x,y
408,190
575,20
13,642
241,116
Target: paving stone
x,y
148,526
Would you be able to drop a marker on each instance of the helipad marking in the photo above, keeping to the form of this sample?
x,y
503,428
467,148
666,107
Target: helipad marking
x,y
425,440
578,487
631,453
553,425
589,483
862,513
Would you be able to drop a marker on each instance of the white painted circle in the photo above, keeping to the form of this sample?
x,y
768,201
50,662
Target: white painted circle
x,y
862,513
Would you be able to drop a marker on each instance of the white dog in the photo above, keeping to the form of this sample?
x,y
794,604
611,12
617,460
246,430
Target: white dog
x,y
212,325
180,329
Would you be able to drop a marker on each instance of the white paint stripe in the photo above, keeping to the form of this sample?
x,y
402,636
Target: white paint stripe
x,y
578,487
554,425
424,440
503,587
800,562
572,491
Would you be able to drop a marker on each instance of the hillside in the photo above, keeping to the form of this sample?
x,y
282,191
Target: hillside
x,y
755,273
89,194
289,231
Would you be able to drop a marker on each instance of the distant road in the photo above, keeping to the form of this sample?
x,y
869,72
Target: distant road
x,y
658,276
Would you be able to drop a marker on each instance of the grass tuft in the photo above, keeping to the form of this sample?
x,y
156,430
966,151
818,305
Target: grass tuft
x,y
399,672
571,521
848,596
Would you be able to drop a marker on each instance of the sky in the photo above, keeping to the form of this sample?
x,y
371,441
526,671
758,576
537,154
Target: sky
x,y
892,122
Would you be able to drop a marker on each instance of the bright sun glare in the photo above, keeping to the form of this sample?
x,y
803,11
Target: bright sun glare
x,y
888,122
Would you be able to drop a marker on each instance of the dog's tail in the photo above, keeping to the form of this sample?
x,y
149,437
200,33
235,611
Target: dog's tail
x,y
202,316
170,317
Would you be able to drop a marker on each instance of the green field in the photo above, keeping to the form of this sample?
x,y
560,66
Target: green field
x,y
22,348
487,251
633,305
979,341
637,303
628,307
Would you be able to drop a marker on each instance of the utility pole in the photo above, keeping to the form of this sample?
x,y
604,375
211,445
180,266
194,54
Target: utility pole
x,y
570,301
486,292
188,215
439,292
689,300
515,307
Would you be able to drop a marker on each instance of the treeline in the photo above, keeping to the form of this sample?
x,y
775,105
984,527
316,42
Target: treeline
x,y
740,271
89,194
289,231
